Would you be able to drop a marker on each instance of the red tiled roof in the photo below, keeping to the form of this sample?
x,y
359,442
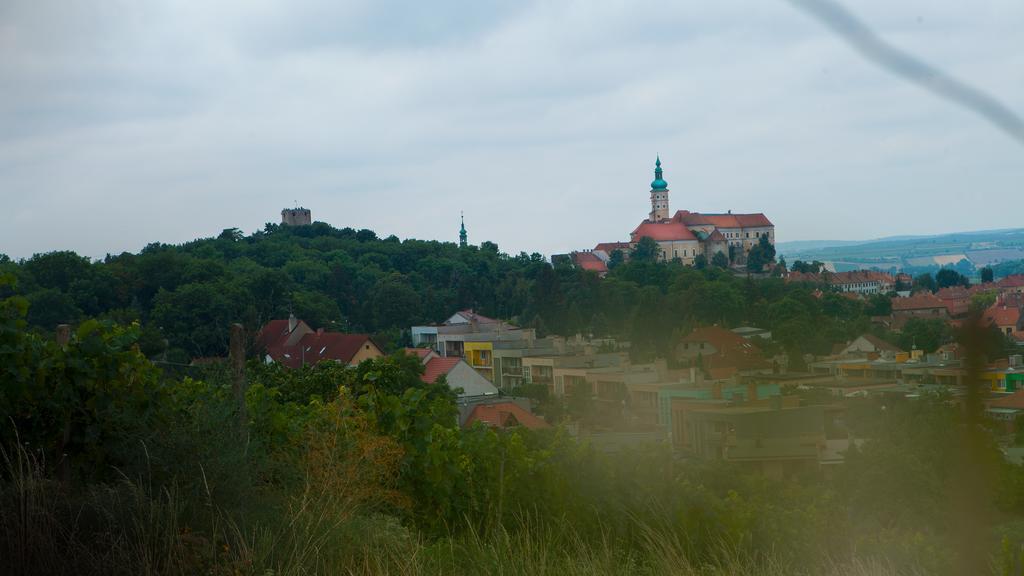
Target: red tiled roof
x,y
318,346
662,231
273,334
334,345
438,366
716,236
953,293
757,220
1012,281
717,336
610,247
587,261
504,415
733,350
922,301
860,276
1002,315
420,353
691,218
1015,400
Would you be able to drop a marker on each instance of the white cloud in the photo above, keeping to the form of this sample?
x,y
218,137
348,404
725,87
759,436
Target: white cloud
x,y
123,123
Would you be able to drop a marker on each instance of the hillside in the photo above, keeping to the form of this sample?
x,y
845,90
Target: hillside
x,y
973,249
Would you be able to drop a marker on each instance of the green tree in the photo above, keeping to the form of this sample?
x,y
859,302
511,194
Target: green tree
x,y
646,250
925,282
947,277
720,260
987,275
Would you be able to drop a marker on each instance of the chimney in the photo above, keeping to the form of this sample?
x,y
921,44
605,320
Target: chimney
x,y
751,392
292,322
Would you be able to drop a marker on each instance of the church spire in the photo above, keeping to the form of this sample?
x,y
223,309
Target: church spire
x,y
659,194
462,231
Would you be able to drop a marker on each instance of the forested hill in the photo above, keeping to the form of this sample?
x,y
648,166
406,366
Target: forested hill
x,y
186,296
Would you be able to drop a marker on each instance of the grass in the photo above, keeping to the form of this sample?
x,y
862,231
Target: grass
x,y
124,528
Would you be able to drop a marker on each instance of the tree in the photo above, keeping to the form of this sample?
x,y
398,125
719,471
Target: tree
x,y
925,334
986,275
924,282
615,259
646,250
948,277
700,262
720,260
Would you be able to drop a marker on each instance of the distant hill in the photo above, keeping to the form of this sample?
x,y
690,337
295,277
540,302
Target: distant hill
x,y
970,249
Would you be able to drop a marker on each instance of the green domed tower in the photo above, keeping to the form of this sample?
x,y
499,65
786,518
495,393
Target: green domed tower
x,y
659,195
462,232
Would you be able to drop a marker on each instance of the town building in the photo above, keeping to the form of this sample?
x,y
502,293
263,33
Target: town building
x,y
469,335
685,235
296,217
294,344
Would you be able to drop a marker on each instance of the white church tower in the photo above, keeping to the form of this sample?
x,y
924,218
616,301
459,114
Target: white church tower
x,y
659,195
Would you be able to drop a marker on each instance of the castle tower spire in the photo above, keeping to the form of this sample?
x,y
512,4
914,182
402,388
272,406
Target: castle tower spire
x,y
659,194
462,231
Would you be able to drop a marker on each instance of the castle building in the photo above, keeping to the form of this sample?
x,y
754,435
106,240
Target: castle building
x,y
296,217
685,235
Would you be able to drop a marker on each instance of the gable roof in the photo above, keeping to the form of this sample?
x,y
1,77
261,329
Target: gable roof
x,y
609,247
588,261
662,231
878,343
319,346
469,316
335,345
276,333
505,415
435,367
1002,315
921,301
422,353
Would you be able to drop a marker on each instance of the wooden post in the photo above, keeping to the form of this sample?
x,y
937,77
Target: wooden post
x,y
236,358
63,334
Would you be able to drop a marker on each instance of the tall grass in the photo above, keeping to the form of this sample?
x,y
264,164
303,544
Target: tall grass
x,y
126,528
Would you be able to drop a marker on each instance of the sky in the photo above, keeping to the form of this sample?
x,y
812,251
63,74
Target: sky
x,y
124,123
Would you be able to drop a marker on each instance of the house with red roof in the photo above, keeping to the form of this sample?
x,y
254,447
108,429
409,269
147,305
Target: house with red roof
x,y
458,374
1007,319
686,235
1012,283
294,344
920,305
504,415
589,260
721,352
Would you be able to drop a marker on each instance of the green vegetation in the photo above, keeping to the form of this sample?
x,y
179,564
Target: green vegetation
x,y
110,465
184,297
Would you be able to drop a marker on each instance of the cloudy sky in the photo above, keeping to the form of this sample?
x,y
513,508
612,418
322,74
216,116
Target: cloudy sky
x,y
128,122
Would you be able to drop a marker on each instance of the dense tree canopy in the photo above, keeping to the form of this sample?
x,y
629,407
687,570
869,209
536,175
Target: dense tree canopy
x,y
185,296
